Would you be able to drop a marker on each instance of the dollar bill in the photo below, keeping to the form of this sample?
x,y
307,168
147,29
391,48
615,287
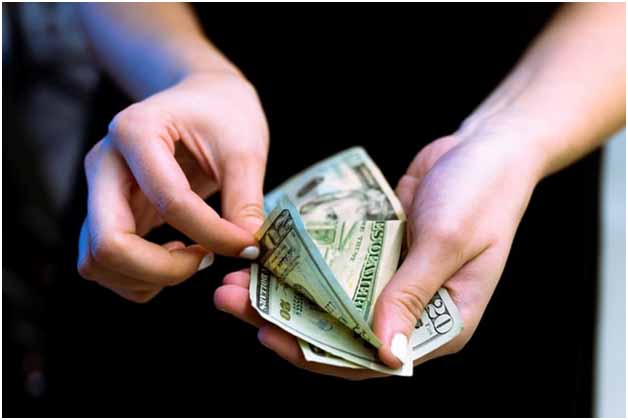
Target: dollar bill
x,y
283,306
440,323
330,243
362,255
314,354
345,186
288,252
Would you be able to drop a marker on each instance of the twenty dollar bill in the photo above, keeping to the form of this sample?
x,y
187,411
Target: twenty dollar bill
x,y
330,243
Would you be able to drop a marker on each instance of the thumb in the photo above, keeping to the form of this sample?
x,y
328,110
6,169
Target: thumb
x,y
242,193
428,265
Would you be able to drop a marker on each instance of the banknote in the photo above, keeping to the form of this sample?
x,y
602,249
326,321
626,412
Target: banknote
x,y
440,323
288,252
283,306
362,255
330,243
347,185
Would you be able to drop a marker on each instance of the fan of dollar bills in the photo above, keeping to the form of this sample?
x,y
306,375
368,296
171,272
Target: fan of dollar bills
x,y
331,241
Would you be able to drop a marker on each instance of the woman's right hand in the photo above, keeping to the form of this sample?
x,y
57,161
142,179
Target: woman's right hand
x,y
159,160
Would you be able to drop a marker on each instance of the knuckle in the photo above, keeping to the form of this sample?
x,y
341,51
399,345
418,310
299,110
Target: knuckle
x,y
253,210
246,154
447,234
425,152
458,345
105,248
137,116
406,181
410,301
90,158
120,124
141,297
170,204
85,269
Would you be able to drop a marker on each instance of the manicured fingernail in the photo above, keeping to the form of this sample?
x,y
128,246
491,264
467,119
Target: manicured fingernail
x,y
250,252
206,262
399,347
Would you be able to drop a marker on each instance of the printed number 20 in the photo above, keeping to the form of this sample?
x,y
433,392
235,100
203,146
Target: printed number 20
x,y
285,310
437,312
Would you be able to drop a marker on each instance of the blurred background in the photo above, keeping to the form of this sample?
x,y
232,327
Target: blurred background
x,y
53,110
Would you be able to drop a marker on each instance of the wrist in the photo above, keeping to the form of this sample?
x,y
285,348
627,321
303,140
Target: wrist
x,y
523,140
198,58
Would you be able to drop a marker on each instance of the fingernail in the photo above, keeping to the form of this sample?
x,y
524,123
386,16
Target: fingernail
x,y
399,347
250,252
206,262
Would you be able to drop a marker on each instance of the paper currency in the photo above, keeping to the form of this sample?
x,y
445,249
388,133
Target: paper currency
x,y
292,311
346,186
288,252
330,243
439,324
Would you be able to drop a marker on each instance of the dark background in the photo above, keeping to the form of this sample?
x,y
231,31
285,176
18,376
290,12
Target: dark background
x,y
391,78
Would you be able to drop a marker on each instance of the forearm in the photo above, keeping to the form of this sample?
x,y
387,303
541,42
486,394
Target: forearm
x,y
148,47
568,92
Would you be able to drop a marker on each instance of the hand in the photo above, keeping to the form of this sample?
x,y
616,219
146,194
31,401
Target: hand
x,y
159,160
464,196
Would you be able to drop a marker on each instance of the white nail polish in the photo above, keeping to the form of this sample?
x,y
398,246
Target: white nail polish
x,y
250,252
399,347
206,262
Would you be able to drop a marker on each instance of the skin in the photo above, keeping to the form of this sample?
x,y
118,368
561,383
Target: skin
x,y
464,194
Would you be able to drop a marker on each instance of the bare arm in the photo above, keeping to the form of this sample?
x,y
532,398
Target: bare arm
x,y
149,47
568,92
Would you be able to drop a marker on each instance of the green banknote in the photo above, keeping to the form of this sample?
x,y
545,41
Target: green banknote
x,y
283,306
288,252
345,186
330,243
439,324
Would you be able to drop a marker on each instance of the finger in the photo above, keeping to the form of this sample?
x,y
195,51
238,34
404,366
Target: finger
x,y
90,270
137,296
242,191
406,189
148,148
429,155
471,288
430,262
235,300
113,280
287,347
420,165
174,245
110,228
240,278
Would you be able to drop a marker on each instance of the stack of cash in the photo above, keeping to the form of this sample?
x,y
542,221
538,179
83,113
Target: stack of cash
x,y
331,241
